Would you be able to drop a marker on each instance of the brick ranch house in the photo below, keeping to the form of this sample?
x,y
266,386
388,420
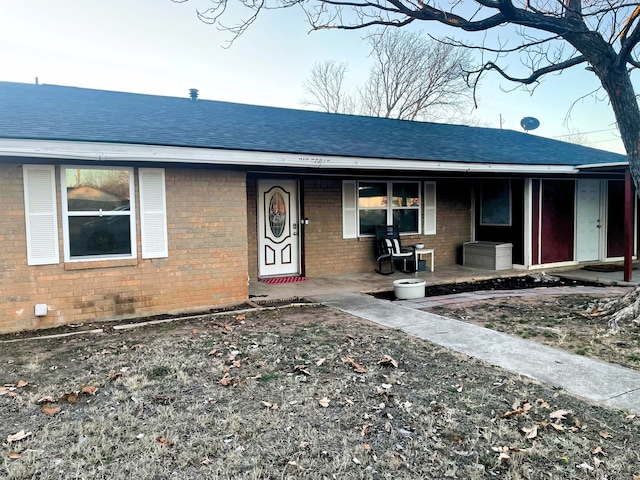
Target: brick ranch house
x,y
117,205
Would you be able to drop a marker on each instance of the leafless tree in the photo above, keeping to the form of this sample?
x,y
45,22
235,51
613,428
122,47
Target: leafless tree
x,y
414,77
537,38
324,88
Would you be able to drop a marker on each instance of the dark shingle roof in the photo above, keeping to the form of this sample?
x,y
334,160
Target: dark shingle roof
x,y
48,112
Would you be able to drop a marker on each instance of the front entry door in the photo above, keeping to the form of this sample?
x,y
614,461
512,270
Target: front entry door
x,y
278,239
588,220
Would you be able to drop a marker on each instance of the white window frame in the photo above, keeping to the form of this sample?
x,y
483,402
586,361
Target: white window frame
x,y
390,208
66,214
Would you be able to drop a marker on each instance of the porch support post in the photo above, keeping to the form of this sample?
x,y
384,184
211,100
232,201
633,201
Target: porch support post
x,y
628,225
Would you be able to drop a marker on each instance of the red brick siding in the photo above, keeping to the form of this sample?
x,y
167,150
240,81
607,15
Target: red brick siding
x,y
206,267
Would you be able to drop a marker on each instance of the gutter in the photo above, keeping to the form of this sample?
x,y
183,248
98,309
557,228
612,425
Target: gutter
x,y
115,153
603,165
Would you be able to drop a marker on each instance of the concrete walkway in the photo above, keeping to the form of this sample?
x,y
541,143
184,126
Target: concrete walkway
x,y
590,379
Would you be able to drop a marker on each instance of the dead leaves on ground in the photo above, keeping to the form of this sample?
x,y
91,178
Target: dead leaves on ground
x,y
353,364
558,421
11,390
48,402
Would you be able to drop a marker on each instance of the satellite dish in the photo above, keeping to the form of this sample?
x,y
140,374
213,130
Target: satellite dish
x,y
529,123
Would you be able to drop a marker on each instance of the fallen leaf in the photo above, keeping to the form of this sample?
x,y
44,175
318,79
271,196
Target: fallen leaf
x,y
605,435
14,455
49,410
321,361
47,399
21,435
228,328
226,380
585,466
270,406
241,317
597,450
89,390
503,457
542,403
113,375
22,384
355,365
324,402
12,394
71,397
511,413
557,426
301,369
162,441
366,446
531,433
194,331
559,414
388,361
364,430
597,462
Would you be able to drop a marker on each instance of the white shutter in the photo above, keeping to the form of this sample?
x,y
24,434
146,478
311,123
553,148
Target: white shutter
x,y
153,213
41,215
429,208
349,209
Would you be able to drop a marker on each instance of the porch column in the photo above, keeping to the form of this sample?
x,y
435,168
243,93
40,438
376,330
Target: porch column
x,y
628,224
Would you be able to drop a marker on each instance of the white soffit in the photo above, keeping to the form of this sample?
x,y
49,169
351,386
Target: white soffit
x,y
113,152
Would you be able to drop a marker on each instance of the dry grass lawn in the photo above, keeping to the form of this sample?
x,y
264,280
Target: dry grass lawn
x,y
290,393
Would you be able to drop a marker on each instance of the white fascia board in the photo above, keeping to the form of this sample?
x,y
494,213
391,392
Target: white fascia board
x,y
603,165
113,152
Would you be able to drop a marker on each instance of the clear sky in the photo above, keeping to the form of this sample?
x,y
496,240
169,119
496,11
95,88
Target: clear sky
x,y
160,47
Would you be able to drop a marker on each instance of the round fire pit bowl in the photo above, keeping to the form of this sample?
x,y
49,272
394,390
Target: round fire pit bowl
x,y
408,288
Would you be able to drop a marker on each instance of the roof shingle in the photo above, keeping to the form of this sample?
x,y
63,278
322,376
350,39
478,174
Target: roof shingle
x,y
48,112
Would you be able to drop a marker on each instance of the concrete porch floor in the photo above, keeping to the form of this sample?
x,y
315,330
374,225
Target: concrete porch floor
x,y
374,282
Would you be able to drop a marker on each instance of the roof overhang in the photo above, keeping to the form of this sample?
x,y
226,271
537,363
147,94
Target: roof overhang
x,y
122,153
605,166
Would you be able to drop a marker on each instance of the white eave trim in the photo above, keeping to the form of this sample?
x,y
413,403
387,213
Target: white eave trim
x,y
603,165
112,152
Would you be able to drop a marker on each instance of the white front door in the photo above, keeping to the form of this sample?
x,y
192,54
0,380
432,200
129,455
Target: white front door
x,y
278,239
588,224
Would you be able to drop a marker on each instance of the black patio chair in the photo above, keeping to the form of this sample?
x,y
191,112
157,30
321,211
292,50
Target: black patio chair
x,y
389,249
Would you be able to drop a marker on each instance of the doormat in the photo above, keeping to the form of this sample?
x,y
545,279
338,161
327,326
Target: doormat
x,y
279,280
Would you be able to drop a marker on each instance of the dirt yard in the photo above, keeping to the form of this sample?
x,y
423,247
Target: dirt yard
x,y
289,393
559,321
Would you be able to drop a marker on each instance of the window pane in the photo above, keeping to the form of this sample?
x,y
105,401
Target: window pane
x,y
372,194
92,190
369,219
406,220
406,194
107,235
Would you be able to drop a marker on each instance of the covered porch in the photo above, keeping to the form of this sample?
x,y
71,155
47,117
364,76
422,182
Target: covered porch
x,y
374,282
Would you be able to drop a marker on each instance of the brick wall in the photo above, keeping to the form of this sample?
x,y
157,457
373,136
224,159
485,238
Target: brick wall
x,y
327,253
206,266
